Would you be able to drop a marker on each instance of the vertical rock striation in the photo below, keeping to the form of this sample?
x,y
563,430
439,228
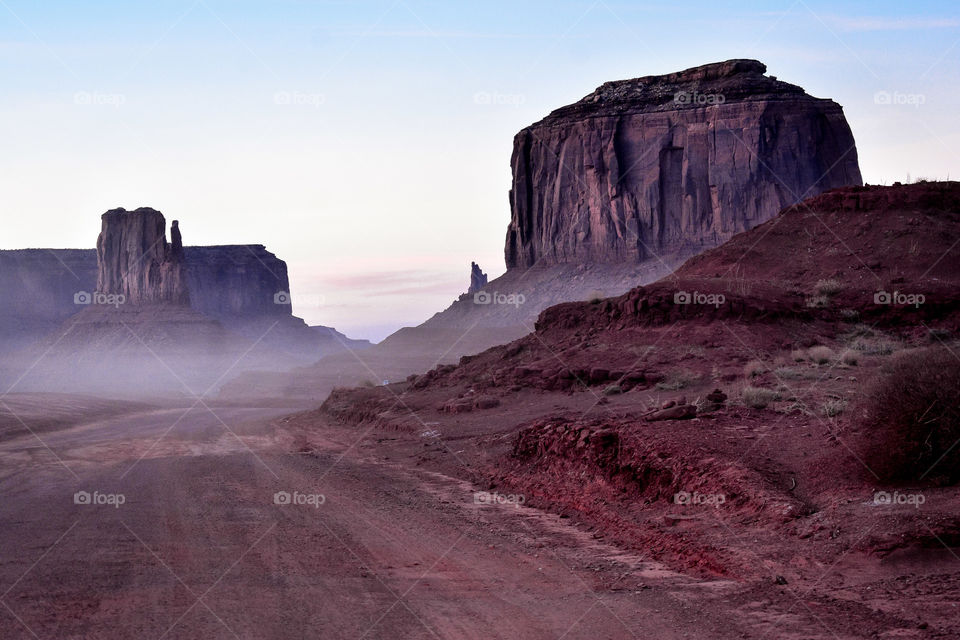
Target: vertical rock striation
x,y
671,164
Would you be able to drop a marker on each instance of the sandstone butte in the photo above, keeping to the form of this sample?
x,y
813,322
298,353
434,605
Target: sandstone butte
x,y
135,260
671,164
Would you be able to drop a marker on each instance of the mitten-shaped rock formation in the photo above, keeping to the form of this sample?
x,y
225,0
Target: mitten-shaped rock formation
x,y
134,258
671,164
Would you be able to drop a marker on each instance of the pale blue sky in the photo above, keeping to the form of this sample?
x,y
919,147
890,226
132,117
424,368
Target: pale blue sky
x,y
368,143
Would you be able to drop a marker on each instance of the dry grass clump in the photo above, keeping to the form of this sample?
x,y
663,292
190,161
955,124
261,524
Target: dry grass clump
x,y
758,397
876,347
861,330
676,381
828,287
850,358
850,315
833,407
818,301
821,354
792,373
755,368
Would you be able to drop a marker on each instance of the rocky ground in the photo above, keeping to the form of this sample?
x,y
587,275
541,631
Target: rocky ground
x,y
717,432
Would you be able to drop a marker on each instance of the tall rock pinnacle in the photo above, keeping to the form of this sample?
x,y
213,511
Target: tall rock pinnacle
x,y
135,259
478,279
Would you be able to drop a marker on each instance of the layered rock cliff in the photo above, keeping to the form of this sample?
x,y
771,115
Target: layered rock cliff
x,y
135,260
671,164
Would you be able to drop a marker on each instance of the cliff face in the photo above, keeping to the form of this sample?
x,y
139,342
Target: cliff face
x,y
671,164
236,283
134,258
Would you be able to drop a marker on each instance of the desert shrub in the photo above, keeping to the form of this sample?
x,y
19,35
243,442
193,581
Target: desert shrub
x,y
612,390
821,354
833,407
817,301
828,287
369,384
860,330
676,381
791,373
758,397
755,368
879,347
850,315
798,356
850,358
938,335
911,418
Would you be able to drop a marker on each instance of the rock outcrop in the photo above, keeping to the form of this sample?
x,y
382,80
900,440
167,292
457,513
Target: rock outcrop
x,y
671,164
478,279
135,260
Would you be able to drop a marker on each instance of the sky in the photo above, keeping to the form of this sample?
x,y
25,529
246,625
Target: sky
x,y
368,143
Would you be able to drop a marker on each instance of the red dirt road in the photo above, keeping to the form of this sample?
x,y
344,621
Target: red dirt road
x,y
199,548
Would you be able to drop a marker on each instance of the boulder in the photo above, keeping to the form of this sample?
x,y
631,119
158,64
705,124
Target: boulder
x,y
675,412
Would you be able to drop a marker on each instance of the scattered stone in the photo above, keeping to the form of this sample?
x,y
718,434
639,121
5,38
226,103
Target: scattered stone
x,y
677,412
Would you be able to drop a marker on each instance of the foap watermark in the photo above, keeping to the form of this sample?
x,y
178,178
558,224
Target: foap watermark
x,y
110,299
698,99
883,498
299,99
685,297
487,297
899,298
496,98
285,498
700,499
492,497
97,99
99,499
898,98
301,300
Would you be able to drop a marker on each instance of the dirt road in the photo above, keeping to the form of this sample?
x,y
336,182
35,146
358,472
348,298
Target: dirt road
x,y
181,533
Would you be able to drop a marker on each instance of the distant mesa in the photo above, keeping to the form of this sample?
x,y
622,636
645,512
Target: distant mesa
x,y
144,311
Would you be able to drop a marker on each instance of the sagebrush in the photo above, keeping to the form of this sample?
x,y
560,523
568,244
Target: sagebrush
x,y
911,418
